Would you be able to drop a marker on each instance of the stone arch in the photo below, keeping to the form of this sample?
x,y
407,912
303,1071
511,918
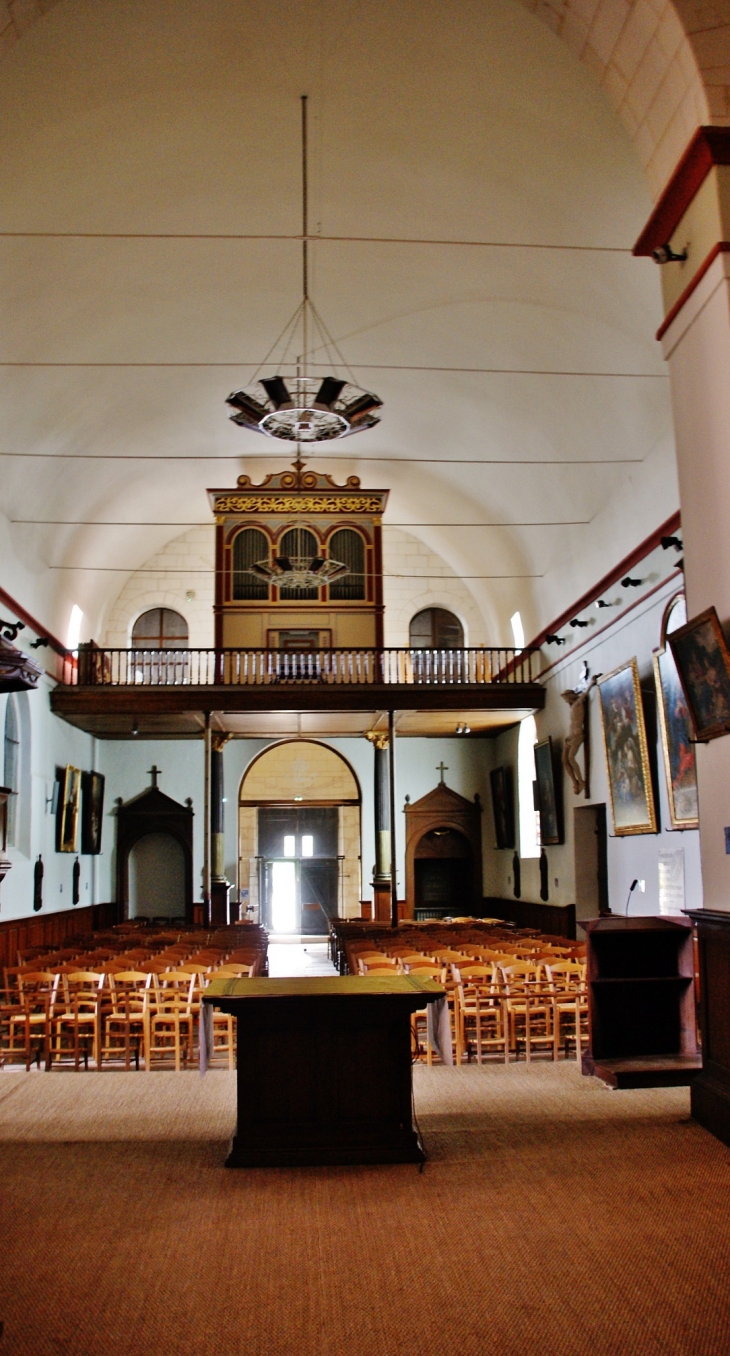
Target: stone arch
x,y
300,773
658,63
665,66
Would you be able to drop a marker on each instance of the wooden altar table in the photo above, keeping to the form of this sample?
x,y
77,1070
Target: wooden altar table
x,y
324,1068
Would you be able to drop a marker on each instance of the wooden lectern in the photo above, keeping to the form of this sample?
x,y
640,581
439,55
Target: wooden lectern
x,y
641,1005
324,1068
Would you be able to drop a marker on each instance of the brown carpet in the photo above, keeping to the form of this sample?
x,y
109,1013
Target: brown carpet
x,y
553,1217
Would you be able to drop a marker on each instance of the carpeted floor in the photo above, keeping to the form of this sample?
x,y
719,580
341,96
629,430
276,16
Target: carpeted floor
x,y
553,1217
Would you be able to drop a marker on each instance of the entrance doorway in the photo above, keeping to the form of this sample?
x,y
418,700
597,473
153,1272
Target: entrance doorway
x,y
591,860
300,868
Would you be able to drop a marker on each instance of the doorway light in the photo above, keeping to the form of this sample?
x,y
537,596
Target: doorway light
x,y
74,628
289,848
307,845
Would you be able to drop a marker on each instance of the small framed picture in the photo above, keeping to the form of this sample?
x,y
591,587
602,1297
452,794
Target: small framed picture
x,y
69,806
676,726
627,752
703,662
92,811
503,807
547,801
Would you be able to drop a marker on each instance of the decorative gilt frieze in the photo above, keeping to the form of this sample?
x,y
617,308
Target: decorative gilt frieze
x,y
298,503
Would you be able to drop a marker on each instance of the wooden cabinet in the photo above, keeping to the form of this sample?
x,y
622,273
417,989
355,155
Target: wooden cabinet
x,y
641,1004
711,1087
324,1068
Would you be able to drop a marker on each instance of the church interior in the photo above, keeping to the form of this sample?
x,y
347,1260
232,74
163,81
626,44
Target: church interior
x,y
364,677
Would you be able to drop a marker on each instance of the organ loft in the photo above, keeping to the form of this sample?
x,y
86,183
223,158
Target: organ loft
x,y
298,563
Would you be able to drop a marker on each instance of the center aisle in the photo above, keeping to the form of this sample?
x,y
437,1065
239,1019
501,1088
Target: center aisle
x,y
309,958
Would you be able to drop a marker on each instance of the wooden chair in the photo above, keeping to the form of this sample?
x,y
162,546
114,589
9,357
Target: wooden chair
x,y
124,1025
169,1026
481,1013
529,1007
76,1020
30,1026
570,1004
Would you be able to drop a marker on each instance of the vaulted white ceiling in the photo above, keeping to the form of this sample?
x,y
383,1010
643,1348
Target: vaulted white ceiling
x,y
526,431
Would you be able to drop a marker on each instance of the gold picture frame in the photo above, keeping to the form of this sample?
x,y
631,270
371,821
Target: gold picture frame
x,y
675,724
627,752
68,812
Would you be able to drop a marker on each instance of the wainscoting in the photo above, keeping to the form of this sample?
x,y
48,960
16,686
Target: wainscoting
x,y
52,929
557,920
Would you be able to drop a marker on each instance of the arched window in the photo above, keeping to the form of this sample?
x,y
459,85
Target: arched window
x,y
11,765
160,629
436,629
249,546
349,548
529,816
300,543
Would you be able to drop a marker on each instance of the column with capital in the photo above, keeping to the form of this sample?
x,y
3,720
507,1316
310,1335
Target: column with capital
x,y
381,874
688,234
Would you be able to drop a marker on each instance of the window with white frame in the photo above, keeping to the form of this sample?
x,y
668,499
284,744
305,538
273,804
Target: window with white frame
x,y
11,765
529,816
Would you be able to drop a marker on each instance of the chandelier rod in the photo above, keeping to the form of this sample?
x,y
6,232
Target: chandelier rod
x,y
305,228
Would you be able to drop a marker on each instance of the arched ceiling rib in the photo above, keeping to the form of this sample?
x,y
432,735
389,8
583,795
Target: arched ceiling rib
x,y
521,385
665,64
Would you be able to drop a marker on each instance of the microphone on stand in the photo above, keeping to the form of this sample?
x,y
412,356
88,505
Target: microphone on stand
x,y
632,887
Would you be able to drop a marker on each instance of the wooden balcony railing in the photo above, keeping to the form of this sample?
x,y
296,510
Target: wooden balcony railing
x,y
94,667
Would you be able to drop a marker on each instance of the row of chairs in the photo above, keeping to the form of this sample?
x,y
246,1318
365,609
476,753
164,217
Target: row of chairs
x,y
119,1002
120,1017
500,1004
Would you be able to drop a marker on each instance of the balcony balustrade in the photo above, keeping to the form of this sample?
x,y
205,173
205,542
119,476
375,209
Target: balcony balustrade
x,y
117,668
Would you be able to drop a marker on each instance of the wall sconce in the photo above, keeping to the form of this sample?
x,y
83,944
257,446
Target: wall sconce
x,y
666,542
664,254
577,622
629,583
555,640
37,644
602,602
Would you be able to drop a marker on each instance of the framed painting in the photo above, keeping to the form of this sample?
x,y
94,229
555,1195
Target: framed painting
x,y
503,806
703,661
627,752
92,810
676,726
547,801
70,803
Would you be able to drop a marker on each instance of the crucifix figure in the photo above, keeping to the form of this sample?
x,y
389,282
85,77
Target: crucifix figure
x,y
154,772
442,767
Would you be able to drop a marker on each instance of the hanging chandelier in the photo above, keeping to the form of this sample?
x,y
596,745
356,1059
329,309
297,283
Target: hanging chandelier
x,y
296,407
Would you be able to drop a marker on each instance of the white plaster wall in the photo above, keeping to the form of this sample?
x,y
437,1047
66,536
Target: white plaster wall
x,y
53,744
637,634
184,566
409,566
408,587
698,348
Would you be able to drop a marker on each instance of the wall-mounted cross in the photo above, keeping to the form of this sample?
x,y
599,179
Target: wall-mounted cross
x,y
154,772
442,767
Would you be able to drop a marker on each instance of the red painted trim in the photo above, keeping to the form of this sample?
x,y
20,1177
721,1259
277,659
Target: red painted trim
x,y
562,659
722,247
651,542
30,621
709,146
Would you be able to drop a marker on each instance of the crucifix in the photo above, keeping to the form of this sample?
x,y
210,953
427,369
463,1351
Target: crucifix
x,y
154,772
442,767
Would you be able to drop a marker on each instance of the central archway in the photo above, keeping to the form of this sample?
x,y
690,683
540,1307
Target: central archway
x,y
299,837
